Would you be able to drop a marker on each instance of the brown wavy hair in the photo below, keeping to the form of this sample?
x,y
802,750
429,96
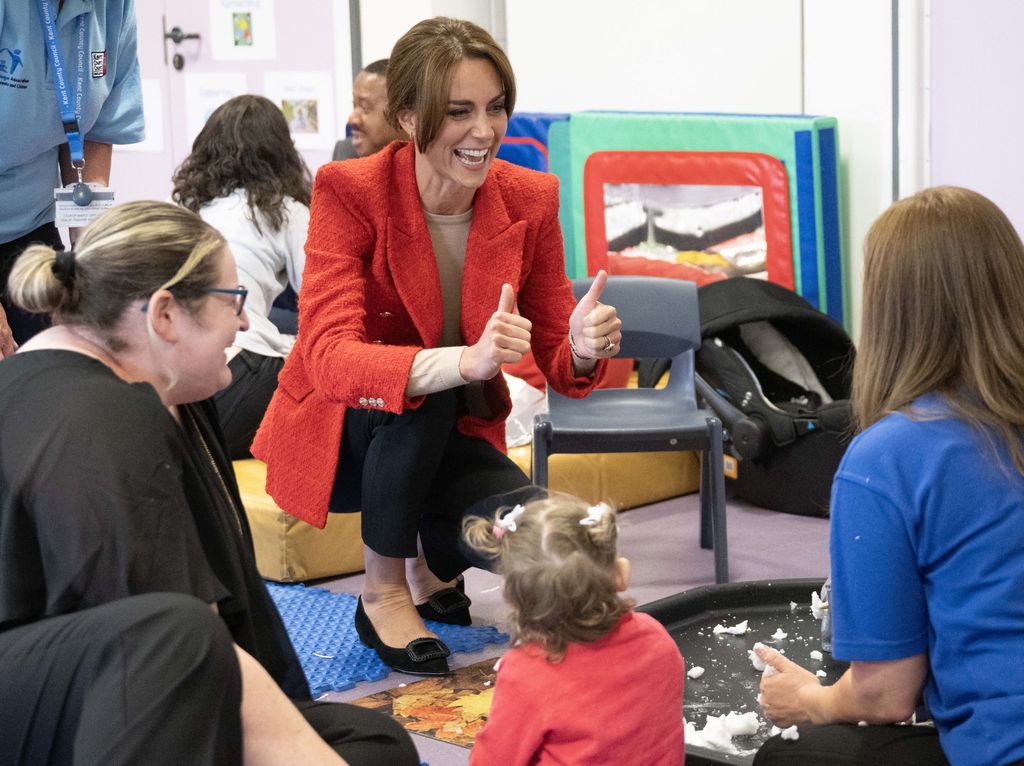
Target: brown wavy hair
x,y
943,282
245,144
559,574
422,65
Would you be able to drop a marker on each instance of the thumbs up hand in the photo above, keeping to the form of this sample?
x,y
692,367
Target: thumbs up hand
x,y
593,326
505,339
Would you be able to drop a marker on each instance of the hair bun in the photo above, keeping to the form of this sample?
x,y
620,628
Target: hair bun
x,y
64,267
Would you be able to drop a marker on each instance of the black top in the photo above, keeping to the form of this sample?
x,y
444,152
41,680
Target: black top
x,y
104,495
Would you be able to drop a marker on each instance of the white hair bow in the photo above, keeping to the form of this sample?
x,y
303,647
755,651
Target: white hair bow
x,y
594,514
507,523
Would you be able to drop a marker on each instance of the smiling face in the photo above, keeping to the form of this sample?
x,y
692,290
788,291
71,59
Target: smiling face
x,y
456,162
370,131
208,331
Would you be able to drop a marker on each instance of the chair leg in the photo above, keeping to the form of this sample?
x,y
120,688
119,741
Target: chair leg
x,y
716,487
706,518
539,467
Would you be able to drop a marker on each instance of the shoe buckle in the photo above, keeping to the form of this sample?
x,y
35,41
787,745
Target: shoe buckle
x,y
425,649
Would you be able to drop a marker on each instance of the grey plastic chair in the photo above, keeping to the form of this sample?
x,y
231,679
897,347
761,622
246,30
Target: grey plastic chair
x,y
659,319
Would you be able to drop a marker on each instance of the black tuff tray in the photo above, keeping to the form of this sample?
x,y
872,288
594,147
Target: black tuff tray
x,y
730,682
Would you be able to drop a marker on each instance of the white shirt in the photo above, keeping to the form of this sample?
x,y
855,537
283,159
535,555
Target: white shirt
x,y
267,262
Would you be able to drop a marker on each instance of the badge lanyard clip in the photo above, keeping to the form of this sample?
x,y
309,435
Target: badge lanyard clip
x,y
70,110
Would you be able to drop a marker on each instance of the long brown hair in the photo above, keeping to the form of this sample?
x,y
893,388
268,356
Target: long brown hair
x,y
245,144
943,285
559,574
422,65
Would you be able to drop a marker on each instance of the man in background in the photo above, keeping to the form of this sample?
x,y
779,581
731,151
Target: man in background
x,y
370,132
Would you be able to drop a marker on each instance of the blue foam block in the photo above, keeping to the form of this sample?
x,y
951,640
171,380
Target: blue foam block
x,y
322,628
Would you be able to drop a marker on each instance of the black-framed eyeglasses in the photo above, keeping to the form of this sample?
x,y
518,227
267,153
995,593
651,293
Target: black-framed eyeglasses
x,y
239,294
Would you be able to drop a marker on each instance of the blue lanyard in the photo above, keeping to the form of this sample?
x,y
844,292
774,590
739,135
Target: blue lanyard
x,y
70,109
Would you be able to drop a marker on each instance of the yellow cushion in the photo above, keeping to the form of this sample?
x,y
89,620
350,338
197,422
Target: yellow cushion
x,y
626,479
289,550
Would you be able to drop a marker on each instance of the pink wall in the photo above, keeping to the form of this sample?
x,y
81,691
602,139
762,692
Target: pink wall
x,y
977,119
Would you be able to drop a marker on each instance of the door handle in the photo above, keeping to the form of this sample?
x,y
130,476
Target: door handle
x,y
177,35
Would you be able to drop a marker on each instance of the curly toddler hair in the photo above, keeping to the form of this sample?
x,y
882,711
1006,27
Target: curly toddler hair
x,y
560,577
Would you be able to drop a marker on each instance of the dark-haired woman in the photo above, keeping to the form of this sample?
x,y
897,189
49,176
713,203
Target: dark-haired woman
x,y
246,179
431,264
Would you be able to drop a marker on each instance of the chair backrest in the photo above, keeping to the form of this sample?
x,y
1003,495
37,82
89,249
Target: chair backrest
x,y
660,318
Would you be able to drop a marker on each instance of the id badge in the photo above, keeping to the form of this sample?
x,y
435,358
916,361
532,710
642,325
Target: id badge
x,y
73,215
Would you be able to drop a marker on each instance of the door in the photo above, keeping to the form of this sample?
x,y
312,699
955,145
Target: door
x,y
196,54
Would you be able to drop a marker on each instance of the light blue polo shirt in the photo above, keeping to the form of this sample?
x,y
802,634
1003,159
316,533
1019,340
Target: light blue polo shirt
x,y
30,125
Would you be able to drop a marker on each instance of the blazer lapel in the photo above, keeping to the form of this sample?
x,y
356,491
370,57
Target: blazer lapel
x,y
410,253
494,256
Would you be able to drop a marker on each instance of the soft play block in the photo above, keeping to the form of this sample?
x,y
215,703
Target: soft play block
x,y
289,550
527,138
626,479
621,148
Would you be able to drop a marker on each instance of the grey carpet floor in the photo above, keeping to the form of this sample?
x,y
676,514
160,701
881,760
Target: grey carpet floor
x,y
661,542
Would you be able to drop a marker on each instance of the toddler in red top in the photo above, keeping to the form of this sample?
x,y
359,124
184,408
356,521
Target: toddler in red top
x,y
588,680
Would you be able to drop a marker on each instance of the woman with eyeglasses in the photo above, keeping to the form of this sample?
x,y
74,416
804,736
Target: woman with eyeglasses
x,y
134,626
245,178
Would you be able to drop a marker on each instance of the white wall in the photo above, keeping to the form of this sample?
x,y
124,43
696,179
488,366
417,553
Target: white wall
x,y
384,22
656,55
848,75
976,105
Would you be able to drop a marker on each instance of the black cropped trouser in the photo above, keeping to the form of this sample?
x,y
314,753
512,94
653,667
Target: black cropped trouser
x,y
414,474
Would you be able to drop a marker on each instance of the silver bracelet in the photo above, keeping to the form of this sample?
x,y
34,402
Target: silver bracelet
x,y
575,351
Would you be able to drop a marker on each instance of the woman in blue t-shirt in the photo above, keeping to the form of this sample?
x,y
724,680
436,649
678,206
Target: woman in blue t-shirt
x,y
927,541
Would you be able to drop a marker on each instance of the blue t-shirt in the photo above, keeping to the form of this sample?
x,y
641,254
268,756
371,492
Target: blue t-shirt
x,y
30,124
927,554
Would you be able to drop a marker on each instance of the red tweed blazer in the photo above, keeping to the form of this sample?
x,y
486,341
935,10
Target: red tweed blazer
x,y
371,299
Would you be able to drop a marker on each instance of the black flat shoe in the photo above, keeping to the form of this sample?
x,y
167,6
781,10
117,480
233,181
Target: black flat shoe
x,y
420,657
450,606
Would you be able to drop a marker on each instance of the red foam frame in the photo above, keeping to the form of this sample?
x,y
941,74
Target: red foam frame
x,y
690,168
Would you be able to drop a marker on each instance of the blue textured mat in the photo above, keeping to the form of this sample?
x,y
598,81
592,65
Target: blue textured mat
x,y
322,628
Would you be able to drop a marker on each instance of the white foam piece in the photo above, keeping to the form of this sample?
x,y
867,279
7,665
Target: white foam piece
x,y
790,733
756,661
816,655
821,674
738,629
774,730
818,606
792,606
718,731
741,724
713,736
779,634
695,672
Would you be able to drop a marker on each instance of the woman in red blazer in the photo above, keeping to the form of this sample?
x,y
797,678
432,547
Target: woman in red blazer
x,y
429,265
